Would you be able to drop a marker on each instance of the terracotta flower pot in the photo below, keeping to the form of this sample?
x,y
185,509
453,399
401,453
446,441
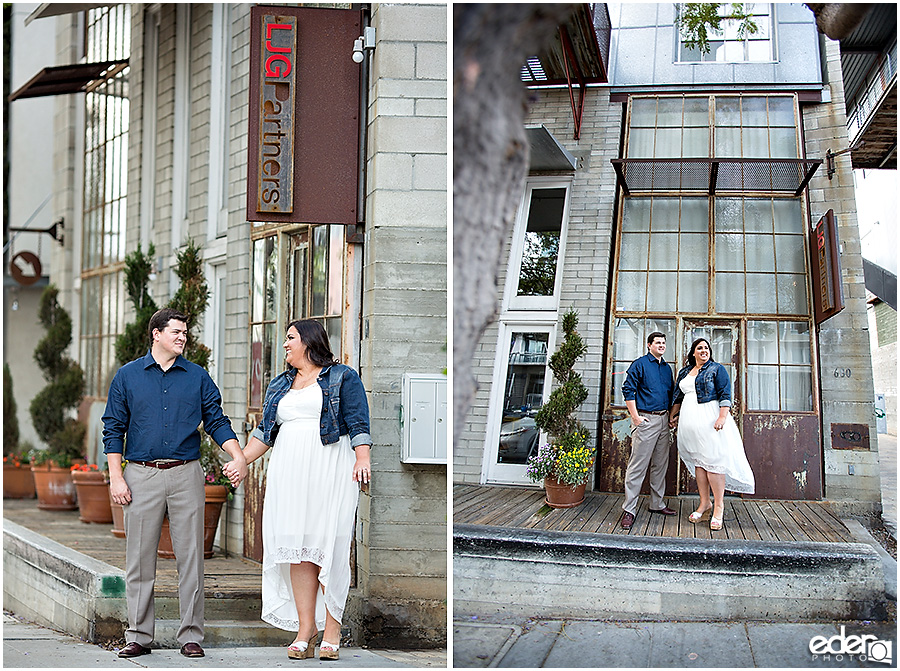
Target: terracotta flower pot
x,y
55,488
216,495
93,497
560,495
118,516
18,482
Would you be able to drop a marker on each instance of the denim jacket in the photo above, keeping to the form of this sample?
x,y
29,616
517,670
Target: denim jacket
x,y
712,384
345,410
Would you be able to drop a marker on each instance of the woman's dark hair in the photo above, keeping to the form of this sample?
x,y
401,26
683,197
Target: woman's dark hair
x,y
691,361
313,335
161,318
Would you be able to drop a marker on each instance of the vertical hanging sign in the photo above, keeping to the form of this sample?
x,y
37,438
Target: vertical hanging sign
x,y
277,67
825,266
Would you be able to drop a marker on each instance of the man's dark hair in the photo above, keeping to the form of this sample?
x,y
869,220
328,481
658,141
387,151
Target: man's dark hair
x,y
653,336
313,335
161,318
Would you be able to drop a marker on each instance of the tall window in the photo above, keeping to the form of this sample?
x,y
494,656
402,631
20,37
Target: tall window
x,y
728,46
108,37
538,247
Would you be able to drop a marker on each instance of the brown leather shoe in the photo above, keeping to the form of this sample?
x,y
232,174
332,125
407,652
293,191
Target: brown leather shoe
x,y
134,649
627,520
665,510
192,650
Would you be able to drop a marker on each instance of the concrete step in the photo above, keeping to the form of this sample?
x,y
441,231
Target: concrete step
x,y
587,575
230,633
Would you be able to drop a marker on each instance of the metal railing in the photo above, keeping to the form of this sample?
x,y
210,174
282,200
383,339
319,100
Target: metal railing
x,y
879,83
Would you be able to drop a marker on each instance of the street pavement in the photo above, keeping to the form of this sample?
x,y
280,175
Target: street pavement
x,y
614,644
27,645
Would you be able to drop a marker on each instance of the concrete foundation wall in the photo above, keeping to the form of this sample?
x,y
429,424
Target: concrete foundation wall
x,y
54,586
503,572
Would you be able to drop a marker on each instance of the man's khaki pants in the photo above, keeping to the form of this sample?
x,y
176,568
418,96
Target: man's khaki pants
x,y
180,491
649,448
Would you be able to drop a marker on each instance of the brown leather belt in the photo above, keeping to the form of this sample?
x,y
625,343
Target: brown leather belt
x,y
653,412
162,465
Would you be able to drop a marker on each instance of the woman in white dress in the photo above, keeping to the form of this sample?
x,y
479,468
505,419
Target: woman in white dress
x,y
709,442
316,416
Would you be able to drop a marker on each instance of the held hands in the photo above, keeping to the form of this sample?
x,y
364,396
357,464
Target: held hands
x,y
720,423
236,470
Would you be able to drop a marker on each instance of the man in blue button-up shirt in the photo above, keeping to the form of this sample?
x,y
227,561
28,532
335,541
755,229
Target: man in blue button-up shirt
x,y
648,388
153,410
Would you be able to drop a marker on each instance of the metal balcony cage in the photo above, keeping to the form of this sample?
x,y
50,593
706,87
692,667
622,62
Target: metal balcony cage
x,y
711,175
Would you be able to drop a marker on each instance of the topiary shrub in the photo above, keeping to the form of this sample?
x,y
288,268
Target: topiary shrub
x,y
63,435
191,299
134,341
10,421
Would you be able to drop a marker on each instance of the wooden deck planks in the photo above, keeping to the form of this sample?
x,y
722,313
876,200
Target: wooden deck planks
x,y
745,519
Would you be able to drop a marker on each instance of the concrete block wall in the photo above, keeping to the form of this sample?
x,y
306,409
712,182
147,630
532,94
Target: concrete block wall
x,y
401,532
585,269
843,339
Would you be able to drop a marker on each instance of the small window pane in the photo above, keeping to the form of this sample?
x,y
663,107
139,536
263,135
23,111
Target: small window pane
x,y
783,142
663,251
695,214
661,292
693,251
729,251
795,342
729,292
640,142
760,290
693,292
753,111
665,214
759,50
758,215
319,270
666,326
618,378
636,216
728,142
762,388
792,295
756,142
696,112
788,216
696,143
762,342
627,339
729,215
643,112
728,111
668,112
796,389
668,143
790,254
760,254
632,290
634,251
781,111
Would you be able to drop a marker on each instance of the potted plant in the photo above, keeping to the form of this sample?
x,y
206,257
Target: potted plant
x,y
63,435
92,490
218,490
564,464
18,482
132,343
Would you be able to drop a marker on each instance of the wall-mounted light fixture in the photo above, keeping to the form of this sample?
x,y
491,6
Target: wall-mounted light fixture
x,y
830,167
363,43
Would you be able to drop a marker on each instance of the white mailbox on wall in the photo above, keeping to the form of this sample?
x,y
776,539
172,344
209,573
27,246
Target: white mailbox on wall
x,y
424,419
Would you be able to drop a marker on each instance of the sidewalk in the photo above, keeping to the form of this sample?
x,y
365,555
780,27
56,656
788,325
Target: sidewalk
x,y
887,452
27,645
611,644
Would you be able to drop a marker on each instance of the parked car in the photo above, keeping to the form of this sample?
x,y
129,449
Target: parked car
x,y
518,439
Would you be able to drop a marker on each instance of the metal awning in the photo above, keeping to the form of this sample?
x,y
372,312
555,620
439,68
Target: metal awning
x,y
709,175
546,152
62,79
46,9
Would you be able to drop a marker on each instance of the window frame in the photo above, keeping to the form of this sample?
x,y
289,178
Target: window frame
x,y
772,40
512,301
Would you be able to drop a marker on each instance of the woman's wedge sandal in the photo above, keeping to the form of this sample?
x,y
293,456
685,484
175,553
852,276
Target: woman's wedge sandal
x,y
328,650
303,650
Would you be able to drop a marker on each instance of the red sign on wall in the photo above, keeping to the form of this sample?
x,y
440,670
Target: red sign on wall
x,y
825,266
303,139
